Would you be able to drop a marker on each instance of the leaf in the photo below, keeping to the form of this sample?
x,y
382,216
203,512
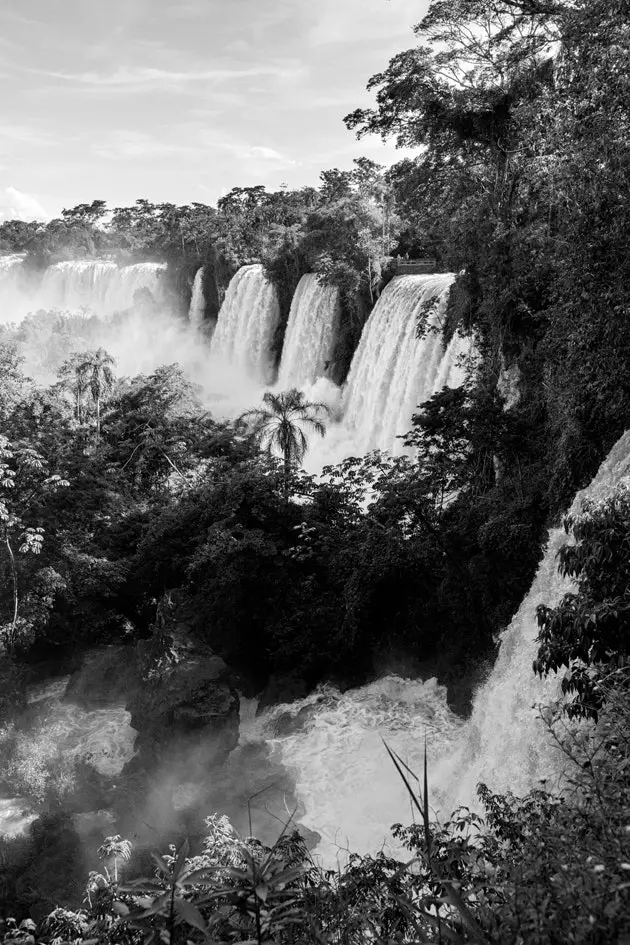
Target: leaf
x,y
204,875
120,909
467,917
181,858
161,864
190,914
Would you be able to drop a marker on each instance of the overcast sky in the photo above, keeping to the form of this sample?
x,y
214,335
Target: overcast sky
x,y
181,100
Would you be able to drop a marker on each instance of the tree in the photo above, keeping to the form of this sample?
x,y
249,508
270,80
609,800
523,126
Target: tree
x,y
24,480
278,427
75,380
589,631
86,214
95,369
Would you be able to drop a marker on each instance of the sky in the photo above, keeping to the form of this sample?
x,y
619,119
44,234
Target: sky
x,y
181,100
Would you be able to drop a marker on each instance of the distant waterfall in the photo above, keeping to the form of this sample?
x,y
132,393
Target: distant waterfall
x,y
102,287
310,335
393,370
246,325
332,741
11,297
197,301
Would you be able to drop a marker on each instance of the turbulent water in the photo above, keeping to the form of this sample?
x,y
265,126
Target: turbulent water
x,y
310,336
197,301
55,731
393,370
345,782
332,742
102,738
246,325
101,287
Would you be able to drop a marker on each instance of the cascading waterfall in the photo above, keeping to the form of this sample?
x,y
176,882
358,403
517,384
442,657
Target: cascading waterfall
x,y
393,370
246,325
332,742
102,287
11,297
310,336
197,301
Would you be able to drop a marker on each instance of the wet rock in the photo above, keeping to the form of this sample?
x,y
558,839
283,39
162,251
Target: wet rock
x,y
106,678
289,723
94,825
281,689
184,699
509,384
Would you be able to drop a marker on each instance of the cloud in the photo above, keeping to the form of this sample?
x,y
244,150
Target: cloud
x,y
15,205
270,154
357,21
125,145
22,134
148,79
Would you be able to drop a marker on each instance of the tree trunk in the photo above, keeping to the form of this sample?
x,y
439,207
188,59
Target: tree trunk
x,y
286,476
14,579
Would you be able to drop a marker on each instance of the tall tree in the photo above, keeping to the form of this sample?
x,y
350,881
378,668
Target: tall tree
x,y
278,427
95,369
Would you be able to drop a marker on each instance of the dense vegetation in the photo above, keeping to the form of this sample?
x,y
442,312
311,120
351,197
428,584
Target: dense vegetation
x,y
538,869
117,491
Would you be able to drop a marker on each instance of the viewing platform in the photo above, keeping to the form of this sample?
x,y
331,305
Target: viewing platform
x,y
415,267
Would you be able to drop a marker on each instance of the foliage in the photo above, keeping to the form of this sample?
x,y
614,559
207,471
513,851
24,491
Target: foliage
x,y
589,630
278,427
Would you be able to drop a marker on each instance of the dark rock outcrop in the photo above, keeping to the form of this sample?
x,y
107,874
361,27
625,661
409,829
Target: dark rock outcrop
x,y
106,678
281,689
185,699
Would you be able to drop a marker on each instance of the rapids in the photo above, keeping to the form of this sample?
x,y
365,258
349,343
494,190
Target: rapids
x,y
54,733
332,742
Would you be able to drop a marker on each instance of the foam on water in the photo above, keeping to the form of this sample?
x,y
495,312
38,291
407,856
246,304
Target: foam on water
x,y
333,742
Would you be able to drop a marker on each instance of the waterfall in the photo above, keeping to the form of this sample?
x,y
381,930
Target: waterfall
x,y
11,297
331,742
310,336
197,301
393,370
102,287
246,325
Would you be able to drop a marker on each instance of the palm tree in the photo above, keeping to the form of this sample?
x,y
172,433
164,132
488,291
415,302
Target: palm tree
x,y
73,380
115,849
94,370
277,427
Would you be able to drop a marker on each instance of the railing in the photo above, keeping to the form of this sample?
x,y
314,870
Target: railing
x,y
416,267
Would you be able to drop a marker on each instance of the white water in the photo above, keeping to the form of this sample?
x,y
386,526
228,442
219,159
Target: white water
x,y
59,731
310,336
197,301
101,287
11,295
393,371
345,781
102,738
246,326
